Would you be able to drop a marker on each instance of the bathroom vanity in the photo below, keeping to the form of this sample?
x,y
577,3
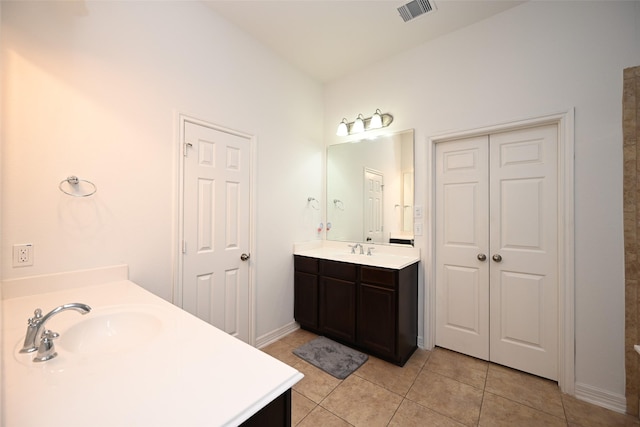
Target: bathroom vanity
x,y
366,302
134,359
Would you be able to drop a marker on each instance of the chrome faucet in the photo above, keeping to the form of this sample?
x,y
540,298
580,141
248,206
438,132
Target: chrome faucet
x,y
354,247
37,334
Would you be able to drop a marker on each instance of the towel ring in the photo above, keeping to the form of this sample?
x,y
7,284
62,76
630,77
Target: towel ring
x,y
75,181
315,204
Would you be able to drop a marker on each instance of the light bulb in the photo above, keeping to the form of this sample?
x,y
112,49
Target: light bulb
x,y
376,120
343,130
358,125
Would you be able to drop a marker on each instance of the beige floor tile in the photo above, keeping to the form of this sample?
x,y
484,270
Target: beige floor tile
x,y
282,351
410,414
584,414
498,412
320,417
316,384
298,337
460,367
300,407
362,403
527,389
447,396
392,377
419,357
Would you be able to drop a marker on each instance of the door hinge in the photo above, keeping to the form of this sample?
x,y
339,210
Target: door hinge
x,y
185,148
184,247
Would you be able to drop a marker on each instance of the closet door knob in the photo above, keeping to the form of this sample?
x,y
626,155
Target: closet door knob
x,y
482,257
497,258
244,257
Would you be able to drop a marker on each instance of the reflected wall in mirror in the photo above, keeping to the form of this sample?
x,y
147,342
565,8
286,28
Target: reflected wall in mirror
x,y
370,190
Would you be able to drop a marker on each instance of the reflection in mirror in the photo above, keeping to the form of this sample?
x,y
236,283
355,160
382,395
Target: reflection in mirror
x,y
370,190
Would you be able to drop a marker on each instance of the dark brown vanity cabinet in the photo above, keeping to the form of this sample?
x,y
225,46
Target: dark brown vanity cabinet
x,y
371,308
337,301
305,289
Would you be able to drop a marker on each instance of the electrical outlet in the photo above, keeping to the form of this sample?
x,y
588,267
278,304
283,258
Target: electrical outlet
x,y
23,255
417,229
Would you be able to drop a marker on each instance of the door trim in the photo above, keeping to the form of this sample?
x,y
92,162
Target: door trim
x,y
566,258
178,203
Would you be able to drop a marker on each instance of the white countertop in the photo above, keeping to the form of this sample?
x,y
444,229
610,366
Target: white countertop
x,y
190,374
385,256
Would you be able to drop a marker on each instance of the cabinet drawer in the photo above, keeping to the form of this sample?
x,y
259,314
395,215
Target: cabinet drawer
x,y
306,264
378,276
339,270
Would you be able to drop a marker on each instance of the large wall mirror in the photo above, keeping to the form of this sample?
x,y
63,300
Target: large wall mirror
x,y
370,190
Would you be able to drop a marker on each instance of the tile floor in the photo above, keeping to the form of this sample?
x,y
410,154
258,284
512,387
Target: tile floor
x,y
434,388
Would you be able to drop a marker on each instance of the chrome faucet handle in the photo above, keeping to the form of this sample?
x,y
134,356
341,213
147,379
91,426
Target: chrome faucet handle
x,y
353,248
37,323
32,328
369,249
46,349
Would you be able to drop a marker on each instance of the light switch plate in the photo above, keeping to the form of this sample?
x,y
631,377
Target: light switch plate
x,y
417,212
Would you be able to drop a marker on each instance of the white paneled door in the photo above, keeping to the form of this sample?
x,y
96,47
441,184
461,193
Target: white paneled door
x,y
215,263
372,205
497,248
462,234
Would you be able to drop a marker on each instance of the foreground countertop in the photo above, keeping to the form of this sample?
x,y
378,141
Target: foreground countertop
x,y
191,374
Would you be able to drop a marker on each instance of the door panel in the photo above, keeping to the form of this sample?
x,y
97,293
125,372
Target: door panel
x,y
524,229
462,290
215,282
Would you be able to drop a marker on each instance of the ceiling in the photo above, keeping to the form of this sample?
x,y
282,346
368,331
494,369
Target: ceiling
x,y
330,38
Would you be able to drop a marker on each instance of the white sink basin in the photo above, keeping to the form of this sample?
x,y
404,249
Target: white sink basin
x,y
114,329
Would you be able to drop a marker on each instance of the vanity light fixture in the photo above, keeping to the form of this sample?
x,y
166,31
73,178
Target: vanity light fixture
x,y
361,124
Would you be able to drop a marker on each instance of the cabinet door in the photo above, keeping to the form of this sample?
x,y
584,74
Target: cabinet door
x,y
377,319
338,308
305,308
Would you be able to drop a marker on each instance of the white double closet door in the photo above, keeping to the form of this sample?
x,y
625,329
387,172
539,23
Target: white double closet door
x,y
497,248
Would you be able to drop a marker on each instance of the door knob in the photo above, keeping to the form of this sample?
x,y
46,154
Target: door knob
x,y
497,258
482,257
244,257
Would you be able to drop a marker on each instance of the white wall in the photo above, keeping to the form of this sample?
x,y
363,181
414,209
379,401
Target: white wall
x,y
92,89
532,60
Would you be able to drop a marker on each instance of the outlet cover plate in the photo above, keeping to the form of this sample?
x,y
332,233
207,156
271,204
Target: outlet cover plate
x,y
23,255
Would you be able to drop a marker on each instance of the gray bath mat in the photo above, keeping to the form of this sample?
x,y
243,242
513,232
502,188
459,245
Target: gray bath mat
x,y
332,357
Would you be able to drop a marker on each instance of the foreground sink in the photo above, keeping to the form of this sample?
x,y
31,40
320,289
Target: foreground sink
x,y
112,330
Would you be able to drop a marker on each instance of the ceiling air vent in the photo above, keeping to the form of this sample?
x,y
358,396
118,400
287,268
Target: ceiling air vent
x,y
415,8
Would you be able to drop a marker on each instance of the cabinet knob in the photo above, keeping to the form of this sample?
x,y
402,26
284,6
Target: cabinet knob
x,y
497,257
482,257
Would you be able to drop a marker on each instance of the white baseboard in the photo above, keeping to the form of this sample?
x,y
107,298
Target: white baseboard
x,y
273,336
604,398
